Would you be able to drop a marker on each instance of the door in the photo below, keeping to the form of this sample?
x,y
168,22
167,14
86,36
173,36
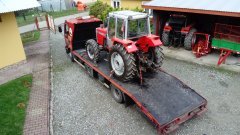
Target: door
x,y
111,31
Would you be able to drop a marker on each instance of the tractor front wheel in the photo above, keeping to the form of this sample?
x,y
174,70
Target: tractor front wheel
x,y
188,41
93,50
166,38
156,57
122,63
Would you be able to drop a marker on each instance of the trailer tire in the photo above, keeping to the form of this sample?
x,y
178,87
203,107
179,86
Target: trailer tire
x,y
188,39
71,57
122,63
67,50
166,38
92,50
157,58
117,94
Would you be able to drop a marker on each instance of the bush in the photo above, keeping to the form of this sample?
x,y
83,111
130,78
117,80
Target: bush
x,y
101,10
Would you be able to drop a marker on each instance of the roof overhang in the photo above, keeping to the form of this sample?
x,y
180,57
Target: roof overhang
x,y
199,7
16,5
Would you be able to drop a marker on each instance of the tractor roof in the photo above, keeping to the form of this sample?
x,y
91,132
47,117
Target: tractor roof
x,y
127,14
83,19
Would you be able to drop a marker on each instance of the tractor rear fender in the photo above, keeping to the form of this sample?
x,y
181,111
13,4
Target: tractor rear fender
x,y
101,34
148,41
128,44
167,28
185,30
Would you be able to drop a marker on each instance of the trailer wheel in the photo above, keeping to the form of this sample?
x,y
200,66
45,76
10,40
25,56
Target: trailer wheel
x,y
188,39
122,63
117,94
71,57
156,57
92,50
166,38
67,50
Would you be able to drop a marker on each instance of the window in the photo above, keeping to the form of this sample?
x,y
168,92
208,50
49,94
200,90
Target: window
x,y
111,27
116,3
120,28
137,28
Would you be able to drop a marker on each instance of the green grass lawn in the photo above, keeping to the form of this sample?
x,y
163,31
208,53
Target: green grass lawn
x,y
14,97
30,36
63,13
31,17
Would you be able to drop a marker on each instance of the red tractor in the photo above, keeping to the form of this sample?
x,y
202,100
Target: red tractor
x,y
127,40
177,31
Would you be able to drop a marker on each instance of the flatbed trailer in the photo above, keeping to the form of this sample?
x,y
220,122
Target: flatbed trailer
x,y
163,99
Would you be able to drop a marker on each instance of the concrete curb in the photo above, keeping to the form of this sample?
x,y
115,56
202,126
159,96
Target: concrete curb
x,y
210,60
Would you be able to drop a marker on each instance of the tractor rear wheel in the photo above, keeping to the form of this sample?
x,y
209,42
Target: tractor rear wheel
x,y
156,57
92,50
166,38
122,63
189,39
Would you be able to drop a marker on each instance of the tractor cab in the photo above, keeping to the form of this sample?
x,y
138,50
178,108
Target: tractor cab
x,y
177,22
129,25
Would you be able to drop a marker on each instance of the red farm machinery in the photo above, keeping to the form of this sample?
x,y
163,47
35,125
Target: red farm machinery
x,y
178,31
129,41
181,30
121,53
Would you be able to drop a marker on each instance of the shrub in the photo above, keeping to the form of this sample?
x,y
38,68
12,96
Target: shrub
x,y
101,10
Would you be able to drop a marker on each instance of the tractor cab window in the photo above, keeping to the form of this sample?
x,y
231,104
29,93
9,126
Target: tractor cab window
x,y
137,28
120,28
177,21
111,27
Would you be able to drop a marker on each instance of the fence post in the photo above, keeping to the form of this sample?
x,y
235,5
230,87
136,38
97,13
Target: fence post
x,y
47,21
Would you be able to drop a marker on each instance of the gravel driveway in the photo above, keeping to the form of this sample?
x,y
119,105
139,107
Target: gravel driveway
x,y
81,105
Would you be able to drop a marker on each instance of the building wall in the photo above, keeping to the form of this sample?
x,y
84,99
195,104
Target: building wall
x,y
11,48
131,4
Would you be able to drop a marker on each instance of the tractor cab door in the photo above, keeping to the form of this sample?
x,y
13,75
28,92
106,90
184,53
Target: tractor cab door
x,y
111,31
116,29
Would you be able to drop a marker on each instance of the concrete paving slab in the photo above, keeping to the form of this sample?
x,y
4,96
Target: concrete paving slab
x,y
232,63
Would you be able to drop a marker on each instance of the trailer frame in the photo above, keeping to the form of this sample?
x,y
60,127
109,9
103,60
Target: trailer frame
x,y
108,80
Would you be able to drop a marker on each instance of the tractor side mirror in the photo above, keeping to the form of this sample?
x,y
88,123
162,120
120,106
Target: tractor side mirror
x,y
60,29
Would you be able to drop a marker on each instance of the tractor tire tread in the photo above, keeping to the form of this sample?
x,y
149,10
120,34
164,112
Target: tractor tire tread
x,y
129,60
188,39
96,49
165,38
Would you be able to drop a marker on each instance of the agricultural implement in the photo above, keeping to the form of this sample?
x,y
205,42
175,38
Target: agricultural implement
x,y
227,40
200,44
162,98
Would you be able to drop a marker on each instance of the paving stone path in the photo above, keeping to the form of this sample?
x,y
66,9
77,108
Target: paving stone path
x,y
37,63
